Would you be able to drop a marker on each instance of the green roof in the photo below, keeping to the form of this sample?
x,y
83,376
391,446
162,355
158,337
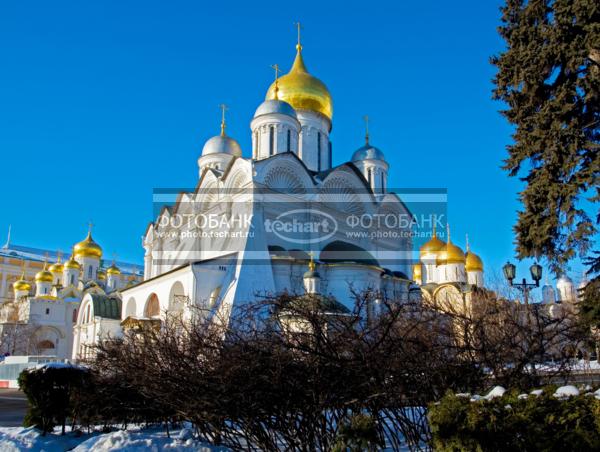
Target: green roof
x,y
106,307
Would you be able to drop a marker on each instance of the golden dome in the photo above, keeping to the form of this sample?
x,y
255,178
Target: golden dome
x,y
72,263
44,276
302,90
113,270
473,261
453,254
101,275
88,248
21,284
57,267
433,246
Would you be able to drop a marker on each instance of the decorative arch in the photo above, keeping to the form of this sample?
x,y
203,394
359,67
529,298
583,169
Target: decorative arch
x,y
152,308
176,297
344,192
284,180
130,308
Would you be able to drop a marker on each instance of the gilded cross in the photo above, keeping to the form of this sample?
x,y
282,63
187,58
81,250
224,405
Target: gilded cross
x,y
366,118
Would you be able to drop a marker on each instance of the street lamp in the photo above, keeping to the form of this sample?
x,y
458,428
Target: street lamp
x,y
524,287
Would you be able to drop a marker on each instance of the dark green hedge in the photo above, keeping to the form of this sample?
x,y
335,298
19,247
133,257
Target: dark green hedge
x,y
535,423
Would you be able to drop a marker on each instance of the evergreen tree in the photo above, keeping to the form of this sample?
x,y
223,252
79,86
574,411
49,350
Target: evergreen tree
x,y
549,79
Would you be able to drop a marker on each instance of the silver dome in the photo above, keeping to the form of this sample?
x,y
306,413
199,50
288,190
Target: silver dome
x,y
222,144
368,152
275,106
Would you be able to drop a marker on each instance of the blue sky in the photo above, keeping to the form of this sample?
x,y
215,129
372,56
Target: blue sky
x,y
100,102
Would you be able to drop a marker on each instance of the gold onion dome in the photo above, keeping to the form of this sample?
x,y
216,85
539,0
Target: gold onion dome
x,y
473,261
101,275
44,276
72,263
302,90
113,270
57,267
88,248
452,254
433,246
22,284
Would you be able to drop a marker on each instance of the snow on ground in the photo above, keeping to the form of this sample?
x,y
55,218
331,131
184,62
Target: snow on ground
x,y
134,440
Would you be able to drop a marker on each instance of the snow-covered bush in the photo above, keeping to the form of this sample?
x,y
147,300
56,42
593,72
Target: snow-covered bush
x,y
542,421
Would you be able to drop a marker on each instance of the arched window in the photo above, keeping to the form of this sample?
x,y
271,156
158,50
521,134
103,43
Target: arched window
x,y
72,280
271,140
74,315
329,159
289,140
152,307
90,272
382,187
369,176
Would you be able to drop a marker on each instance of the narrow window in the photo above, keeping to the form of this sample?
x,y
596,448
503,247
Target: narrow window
x,y
382,187
90,272
72,280
369,176
289,140
330,159
319,151
47,311
271,140
74,315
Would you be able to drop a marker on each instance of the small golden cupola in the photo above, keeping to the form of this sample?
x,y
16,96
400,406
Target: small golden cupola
x,y
88,247
452,254
101,275
473,261
72,263
57,268
302,90
433,246
22,284
113,270
44,275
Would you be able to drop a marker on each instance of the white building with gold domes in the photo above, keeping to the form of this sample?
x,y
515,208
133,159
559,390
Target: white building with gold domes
x,y
43,302
445,273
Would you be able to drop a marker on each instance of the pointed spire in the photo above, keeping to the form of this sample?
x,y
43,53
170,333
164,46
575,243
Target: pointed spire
x,y
467,241
298,65
223,109
366,118
448,231
434,234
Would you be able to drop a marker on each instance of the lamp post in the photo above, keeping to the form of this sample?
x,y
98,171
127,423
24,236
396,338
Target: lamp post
x,y
524,287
